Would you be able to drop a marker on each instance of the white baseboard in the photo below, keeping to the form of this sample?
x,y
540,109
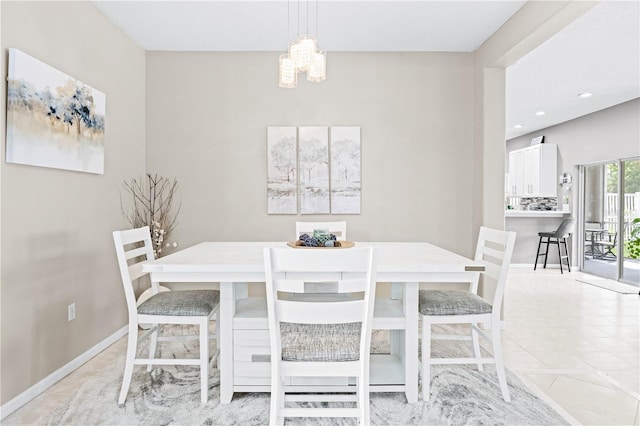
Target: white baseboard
x,y
59,374
540,266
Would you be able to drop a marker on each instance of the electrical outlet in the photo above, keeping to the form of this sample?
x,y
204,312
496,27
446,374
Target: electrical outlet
x,y
71,312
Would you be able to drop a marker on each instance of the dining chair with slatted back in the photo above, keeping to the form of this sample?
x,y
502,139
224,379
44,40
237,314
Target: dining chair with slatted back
x,y
339,229
494,250
195,307
312,337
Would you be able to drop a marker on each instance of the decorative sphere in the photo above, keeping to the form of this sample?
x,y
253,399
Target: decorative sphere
x,y
328,243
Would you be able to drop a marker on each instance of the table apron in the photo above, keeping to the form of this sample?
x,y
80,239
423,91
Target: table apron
x,y
213,277
258,277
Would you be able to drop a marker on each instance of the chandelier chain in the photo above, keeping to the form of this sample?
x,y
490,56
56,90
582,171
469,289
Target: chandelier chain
x,y
298,18
288,19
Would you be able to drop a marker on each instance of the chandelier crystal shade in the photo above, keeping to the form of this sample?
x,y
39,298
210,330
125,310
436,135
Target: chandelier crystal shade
x,y
303,56
288,73
318,68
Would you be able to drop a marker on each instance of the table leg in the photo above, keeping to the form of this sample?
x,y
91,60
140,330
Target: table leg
x,y
225,362
411,341
404,343
397,337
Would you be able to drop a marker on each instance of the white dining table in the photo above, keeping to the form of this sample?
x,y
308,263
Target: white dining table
x,y
235,264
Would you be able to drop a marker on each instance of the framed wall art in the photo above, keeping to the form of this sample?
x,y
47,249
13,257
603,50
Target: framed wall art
x,y
313,158
282,170
345,170
313,170
53,120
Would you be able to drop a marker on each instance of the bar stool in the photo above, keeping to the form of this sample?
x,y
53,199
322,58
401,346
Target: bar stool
x,y
556,237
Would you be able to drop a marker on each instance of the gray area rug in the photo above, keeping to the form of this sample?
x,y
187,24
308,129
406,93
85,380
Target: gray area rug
x,y
460,395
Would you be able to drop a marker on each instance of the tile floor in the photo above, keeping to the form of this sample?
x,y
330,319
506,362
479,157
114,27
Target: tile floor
x,y
575,344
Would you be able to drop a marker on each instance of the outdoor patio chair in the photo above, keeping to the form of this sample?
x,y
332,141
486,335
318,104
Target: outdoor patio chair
x,y
606,246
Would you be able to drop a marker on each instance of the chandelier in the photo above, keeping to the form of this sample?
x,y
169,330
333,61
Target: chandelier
x,y
302,56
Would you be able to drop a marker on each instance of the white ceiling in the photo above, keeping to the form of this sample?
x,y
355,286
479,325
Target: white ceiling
x,y
342,26
598,53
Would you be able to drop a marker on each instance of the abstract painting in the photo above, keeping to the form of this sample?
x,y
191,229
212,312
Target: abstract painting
x,y
53,120
314,170
345,170
282,171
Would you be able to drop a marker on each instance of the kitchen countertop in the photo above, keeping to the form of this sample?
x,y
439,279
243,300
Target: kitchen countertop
x,y
535,213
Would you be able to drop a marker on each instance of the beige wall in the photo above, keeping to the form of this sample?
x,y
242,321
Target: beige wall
x,y
56,224
207,119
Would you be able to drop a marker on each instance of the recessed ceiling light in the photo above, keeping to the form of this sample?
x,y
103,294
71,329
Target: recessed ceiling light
x,y
540,113
585,95
518,126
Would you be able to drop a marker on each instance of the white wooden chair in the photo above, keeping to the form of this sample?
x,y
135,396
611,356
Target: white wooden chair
x,y
197,307
319,338
339,229
494,250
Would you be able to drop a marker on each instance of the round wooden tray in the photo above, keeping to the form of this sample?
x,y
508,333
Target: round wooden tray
x,y
343,244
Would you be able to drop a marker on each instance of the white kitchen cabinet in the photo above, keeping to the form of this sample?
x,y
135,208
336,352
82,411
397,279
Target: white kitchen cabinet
x,y
516,172
533,171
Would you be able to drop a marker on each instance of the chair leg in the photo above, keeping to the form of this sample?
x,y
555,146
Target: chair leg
x,y
277,401
497,355
216,354
204,360
132,346
426,359
273,409
560,257
566,251
359,400
476,346
153,345
537,254
546,253
363,399
217,335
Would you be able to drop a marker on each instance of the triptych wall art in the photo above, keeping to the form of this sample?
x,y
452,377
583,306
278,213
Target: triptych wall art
x,y
313,170
53,120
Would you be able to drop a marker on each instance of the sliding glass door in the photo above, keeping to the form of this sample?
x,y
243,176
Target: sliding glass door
x,y
630,208
609,204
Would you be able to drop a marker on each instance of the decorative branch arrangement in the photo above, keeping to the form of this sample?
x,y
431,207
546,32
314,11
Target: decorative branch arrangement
x,y
153,204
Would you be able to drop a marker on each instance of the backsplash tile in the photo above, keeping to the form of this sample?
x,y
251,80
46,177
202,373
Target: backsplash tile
x,y
539,204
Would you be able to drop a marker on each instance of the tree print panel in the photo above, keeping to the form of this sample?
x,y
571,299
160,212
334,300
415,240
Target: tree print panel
x,y
53,120
313,157
345,170
282,171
